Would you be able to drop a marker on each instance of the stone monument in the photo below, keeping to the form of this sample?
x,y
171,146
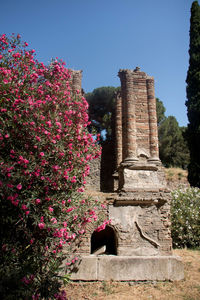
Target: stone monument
x,y
137,244
76,80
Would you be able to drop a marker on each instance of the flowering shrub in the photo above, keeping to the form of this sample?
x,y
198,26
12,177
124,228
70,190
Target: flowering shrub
x,y
186,218
45,150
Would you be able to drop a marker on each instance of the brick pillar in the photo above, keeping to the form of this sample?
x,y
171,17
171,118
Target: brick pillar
x,y
76,77
128,117
118,128
153,128
123,95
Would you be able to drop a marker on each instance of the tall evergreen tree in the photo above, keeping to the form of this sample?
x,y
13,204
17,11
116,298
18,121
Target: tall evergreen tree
x,y
160,110
193,96
172,146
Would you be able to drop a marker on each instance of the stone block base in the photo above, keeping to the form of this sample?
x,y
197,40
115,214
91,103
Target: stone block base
x,y
125,268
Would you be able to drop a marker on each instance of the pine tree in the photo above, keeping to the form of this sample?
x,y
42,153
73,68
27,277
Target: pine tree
x,y
193,96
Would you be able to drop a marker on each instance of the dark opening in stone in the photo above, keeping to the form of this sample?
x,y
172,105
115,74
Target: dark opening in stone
x,y
104,242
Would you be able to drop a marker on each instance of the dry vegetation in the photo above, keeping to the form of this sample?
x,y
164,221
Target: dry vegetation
x,y
176,177
187,289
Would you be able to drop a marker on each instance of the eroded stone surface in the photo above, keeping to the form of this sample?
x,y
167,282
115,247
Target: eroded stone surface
x,y
140,179
124,268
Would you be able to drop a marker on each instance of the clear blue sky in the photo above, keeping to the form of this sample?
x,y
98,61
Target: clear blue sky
x,y
102,36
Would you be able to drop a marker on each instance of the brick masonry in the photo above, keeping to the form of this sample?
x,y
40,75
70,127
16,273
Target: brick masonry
x,y
139,235
139,120
76,80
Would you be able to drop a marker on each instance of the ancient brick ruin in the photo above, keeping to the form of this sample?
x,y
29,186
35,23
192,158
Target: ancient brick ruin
x,y
76,80
137,244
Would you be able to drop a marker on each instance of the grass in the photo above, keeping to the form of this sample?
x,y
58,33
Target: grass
x,y
187,289
177,175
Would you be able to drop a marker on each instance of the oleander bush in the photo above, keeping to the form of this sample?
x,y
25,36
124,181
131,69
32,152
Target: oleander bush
x,y
185,216
44,153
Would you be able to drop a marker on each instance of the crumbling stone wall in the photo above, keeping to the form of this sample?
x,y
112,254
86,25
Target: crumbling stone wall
x,y
140,209
93,179
76,80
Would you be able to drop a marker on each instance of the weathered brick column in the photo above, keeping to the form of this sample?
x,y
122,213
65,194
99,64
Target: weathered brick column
x,y
76,78
153,134
128,117
118,128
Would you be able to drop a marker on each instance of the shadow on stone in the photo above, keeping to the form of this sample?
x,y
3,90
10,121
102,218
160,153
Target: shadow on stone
x,y
104,240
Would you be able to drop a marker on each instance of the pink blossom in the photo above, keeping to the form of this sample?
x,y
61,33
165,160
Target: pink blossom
x,y
65,224
50,209
56,168
19,186
24,207
15,202
38,138
36,297
41,225
58,124
16,55
25,280
69,209
53,220
37,201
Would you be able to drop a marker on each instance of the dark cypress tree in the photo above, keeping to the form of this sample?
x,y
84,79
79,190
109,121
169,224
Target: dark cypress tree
x,y
193,96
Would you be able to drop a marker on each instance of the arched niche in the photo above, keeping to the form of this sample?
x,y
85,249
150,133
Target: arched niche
x,y
104,241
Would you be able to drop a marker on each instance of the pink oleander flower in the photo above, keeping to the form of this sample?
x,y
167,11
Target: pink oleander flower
x,y
53,220
24,207
37,201
19,186
41,225
36,297
74,260
50,209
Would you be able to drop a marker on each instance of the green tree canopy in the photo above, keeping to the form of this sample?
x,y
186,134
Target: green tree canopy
x,y
160,109
193,96
172,146
101,108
